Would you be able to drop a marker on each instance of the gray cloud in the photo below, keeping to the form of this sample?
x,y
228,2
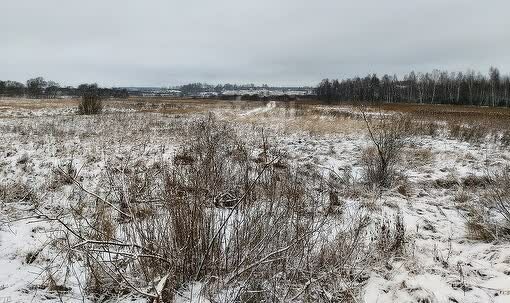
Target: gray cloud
x,y
161,42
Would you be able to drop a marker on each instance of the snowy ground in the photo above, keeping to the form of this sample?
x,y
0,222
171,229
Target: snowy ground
x,y
442,263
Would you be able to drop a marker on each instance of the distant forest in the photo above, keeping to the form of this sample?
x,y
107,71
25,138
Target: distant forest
x,y
195,88
438,87
40,88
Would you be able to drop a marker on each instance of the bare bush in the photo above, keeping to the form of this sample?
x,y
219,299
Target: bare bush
x,y
479,224
498,198
91,101
388,136
490,218
448,182
390,236
63,174
16,192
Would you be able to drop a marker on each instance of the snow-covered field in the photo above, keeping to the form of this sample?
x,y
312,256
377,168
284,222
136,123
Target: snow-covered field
x,y
441,262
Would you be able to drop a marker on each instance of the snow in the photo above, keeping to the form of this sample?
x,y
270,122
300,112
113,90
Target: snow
x,y
441,265
259,110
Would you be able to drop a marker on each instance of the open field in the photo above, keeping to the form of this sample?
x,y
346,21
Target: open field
x,y
192,200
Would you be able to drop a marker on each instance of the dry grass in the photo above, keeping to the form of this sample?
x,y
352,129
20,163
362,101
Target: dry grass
x,y
295,118
36,104
16,192
472,121
172,209
438,110
417,156
304,115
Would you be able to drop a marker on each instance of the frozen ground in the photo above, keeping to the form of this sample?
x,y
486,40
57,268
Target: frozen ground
x,y
442,263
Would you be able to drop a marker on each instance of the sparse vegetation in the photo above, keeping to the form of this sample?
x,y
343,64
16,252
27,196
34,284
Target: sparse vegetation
x,y
143,176
219,213
255,203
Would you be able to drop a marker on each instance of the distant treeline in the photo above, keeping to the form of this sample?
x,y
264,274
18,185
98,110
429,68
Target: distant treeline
x,y
40,88
196,88
247,97
438,87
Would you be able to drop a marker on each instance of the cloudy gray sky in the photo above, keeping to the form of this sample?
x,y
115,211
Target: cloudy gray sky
x,y
284,42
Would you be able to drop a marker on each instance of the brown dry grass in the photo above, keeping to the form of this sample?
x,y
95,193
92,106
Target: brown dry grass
x,y
306,117
310,115
303,119
35,104
488,116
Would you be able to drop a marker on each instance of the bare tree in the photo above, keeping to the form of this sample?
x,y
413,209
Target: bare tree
x,y
36,87
437,87
52,89
494,78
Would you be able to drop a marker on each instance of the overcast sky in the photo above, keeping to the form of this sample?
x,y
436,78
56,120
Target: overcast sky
x,y
283,42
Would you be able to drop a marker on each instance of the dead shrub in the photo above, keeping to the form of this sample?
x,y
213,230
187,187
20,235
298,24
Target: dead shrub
x,y
390,236
183,159
490,219
479,225
447,182
498,198
17,192
341,185
91,100
64,174
461,197
380,161
473,181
